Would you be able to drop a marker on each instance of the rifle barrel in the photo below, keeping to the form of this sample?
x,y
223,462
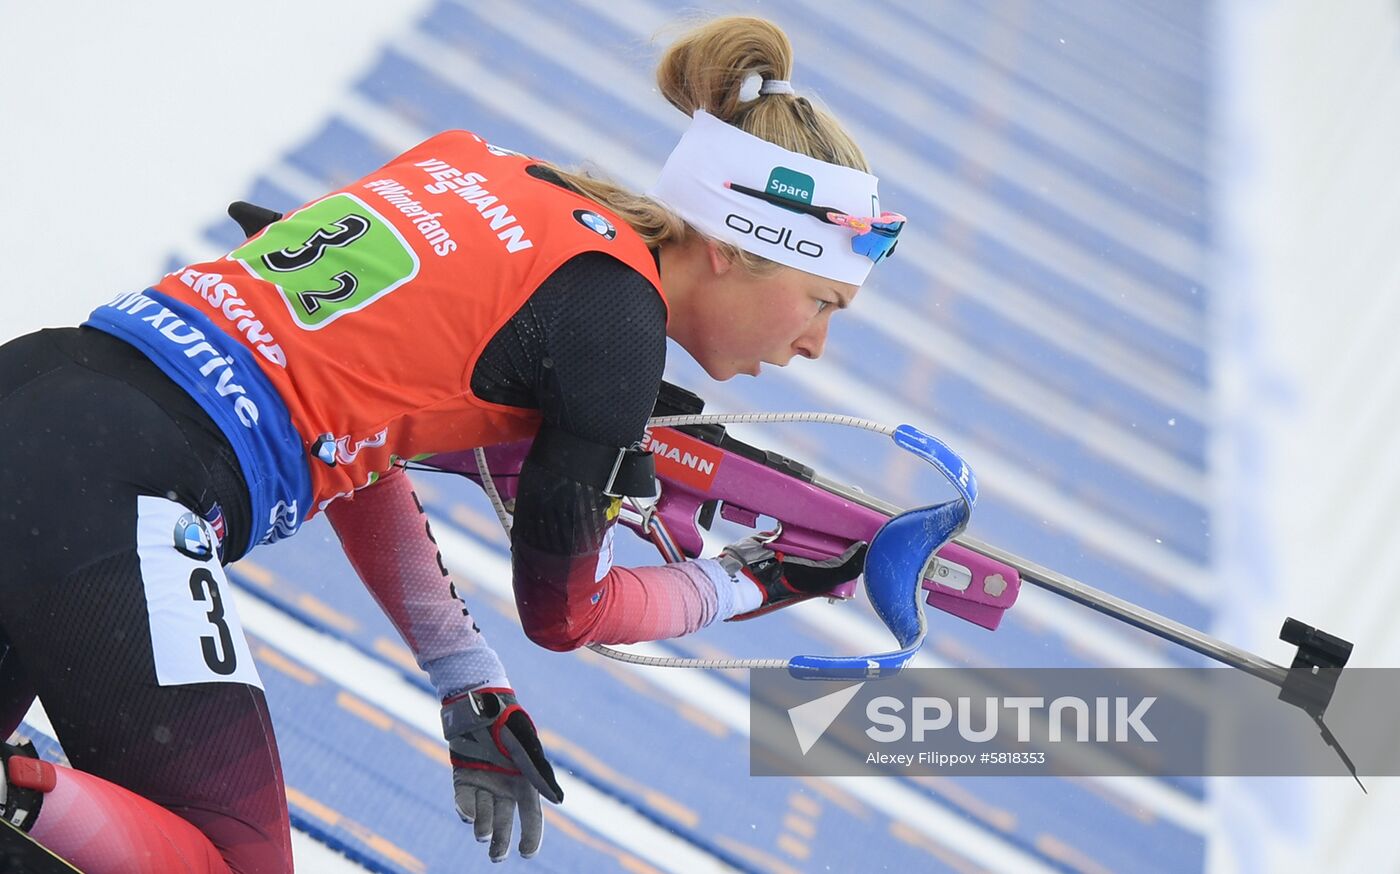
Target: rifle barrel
x,y
1132,614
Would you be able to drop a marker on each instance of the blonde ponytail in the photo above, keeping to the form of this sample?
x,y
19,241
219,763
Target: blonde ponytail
x,y
707,67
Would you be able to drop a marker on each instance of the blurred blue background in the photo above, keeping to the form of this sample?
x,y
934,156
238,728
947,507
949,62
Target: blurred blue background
x,y
1058,313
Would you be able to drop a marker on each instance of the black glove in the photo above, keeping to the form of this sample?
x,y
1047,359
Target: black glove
x,y
497,766
785,579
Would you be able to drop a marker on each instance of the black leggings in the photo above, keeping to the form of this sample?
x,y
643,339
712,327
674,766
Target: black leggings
x,y
88,426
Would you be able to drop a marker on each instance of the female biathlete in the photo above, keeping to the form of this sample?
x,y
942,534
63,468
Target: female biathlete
x,y
460,296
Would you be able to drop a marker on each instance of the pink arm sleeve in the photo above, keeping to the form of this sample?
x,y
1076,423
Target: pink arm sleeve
x,y
566,602
386,536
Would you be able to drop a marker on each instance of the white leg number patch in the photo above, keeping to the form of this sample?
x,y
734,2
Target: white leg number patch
x,y
195,633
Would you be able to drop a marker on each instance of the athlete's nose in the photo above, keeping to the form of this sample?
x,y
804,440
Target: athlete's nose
x,y
812,342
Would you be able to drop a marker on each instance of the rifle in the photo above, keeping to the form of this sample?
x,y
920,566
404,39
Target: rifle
x,y
916,557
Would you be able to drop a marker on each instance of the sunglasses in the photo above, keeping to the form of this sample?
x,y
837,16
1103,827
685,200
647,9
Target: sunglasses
x,y
875,237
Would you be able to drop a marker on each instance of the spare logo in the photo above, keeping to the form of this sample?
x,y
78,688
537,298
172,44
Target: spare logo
x,y
790,185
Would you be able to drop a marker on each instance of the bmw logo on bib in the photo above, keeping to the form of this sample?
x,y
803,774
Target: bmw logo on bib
x,y
595,223
192,538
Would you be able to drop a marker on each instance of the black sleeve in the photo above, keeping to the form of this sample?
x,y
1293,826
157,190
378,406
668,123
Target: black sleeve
x,y
588,350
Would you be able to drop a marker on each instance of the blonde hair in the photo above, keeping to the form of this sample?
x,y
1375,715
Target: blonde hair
x,y
706,68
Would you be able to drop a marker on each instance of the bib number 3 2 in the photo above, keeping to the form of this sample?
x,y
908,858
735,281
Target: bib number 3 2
x,y
334,257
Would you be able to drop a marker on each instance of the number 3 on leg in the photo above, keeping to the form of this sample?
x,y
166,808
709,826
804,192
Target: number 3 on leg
x,y
196,636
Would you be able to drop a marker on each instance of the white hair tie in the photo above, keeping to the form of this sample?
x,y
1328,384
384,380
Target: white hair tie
x,y
775,86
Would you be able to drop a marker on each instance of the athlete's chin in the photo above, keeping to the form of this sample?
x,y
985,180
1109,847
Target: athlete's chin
x,y
726,372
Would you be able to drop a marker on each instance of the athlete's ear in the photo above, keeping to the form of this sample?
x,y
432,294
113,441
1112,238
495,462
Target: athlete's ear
x,y
720,262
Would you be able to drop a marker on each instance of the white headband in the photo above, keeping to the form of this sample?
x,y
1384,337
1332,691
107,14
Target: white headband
x,y
712,154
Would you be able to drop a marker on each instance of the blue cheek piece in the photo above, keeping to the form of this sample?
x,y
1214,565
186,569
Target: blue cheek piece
x,y
895,566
